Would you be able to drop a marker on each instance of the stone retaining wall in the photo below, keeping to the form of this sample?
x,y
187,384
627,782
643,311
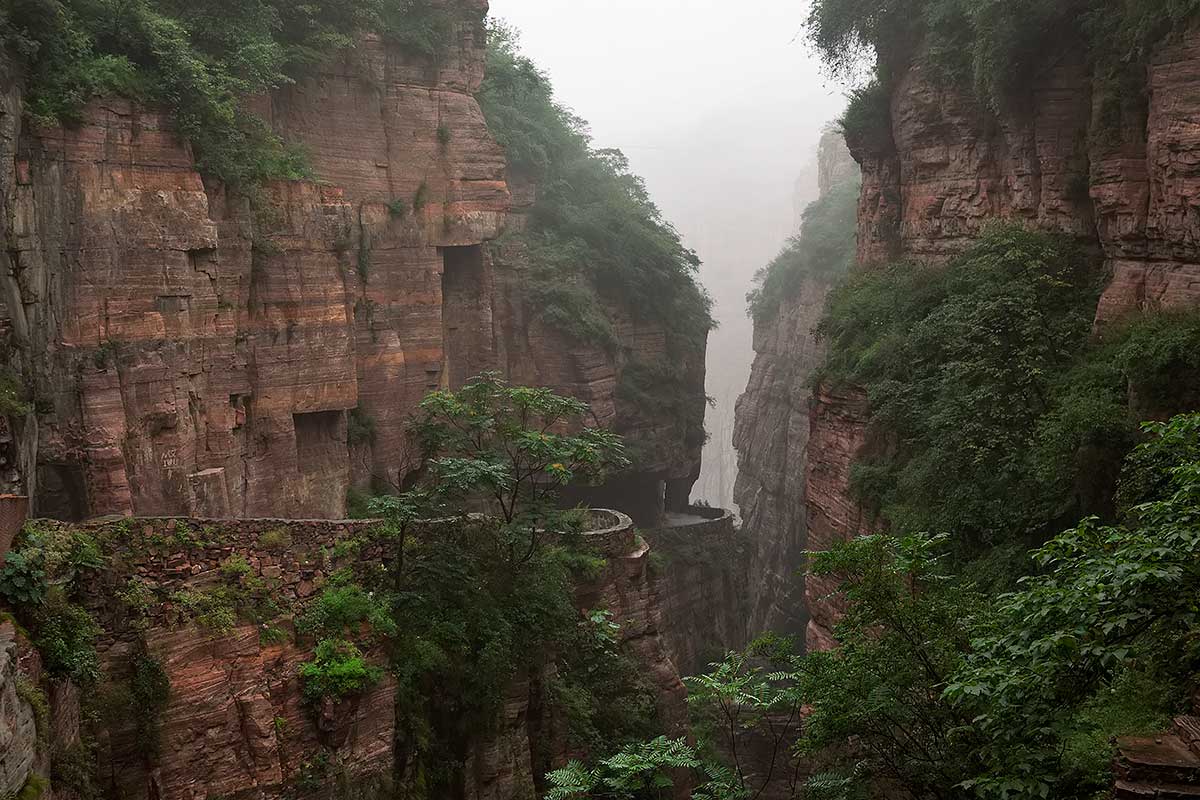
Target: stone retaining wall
x,y
704,576
616,538
293,557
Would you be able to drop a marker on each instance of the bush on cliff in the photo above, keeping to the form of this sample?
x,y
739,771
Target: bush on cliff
x,y
38,582
593,224
938,689
996,413
960,366
12,395
823,251
200,61
338,671
996,48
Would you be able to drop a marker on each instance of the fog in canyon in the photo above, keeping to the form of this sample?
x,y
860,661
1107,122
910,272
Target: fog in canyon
x,y
720,111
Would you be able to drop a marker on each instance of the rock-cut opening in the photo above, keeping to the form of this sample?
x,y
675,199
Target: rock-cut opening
x,y
466,315
320,440
62,492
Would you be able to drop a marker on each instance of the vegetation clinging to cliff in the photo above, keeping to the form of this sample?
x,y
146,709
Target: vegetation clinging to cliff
x,y
995,47
939,689
594,230
822,251
200,61
476,600
995,413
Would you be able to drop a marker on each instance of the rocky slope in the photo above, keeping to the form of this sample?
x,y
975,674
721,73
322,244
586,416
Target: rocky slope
x,y
191,355
772,440
1120,175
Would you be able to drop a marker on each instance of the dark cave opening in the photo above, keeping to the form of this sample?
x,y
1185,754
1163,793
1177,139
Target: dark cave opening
x,y
466,315
61,492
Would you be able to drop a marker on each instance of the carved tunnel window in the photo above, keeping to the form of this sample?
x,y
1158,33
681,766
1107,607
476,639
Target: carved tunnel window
x,y
466,315
641,495
320,440
61,492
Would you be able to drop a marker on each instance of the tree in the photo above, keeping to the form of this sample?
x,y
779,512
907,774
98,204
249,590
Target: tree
x,y
641,772
478,597
513,447
754,694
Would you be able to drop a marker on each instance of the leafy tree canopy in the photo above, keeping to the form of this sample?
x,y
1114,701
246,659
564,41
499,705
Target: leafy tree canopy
x,y
823,251
594,231
996,414
199,60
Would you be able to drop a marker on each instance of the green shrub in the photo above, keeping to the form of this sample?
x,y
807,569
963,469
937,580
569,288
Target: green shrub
x,y
23,579
358,504
74,768
823,251
360,428
420,27
33,694
235,568
345,610
34,787
398,208
421,198
569,305
593,223
216,610
66,639
867,120
241,596
12,395
607,701
276,540
338,670
150,690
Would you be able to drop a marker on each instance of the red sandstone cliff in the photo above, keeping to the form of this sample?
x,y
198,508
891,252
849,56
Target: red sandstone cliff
x,y
236,723
772,439
1125,184
191,356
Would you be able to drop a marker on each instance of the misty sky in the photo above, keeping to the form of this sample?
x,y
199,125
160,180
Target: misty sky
x,y
719,107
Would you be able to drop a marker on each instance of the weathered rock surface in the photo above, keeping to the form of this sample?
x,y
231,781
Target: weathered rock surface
x,y
772,440
701,560
192,356
1120,176
18,727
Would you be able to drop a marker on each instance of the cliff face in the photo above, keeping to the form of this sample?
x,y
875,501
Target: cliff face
x,y
772,440
1119,175
191,354
236,722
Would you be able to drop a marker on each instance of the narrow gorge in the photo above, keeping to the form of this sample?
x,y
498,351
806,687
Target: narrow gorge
x,y
353,398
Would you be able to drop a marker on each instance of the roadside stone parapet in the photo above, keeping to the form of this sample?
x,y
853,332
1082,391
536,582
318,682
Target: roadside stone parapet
x,y
292,558
701,519
610,532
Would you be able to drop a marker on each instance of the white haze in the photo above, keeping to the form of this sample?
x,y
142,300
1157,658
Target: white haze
x,y
719,107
